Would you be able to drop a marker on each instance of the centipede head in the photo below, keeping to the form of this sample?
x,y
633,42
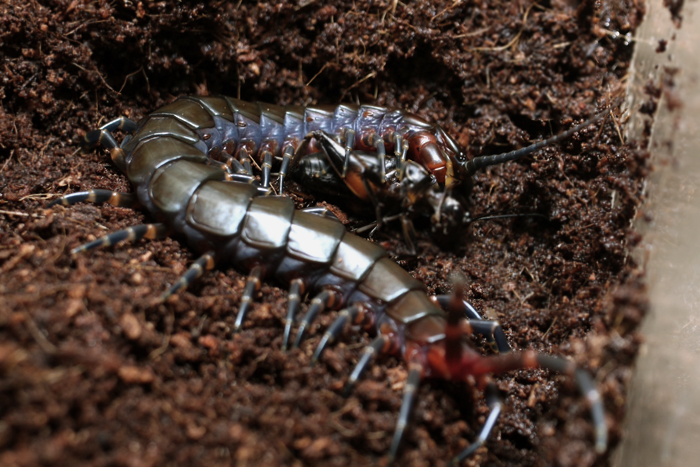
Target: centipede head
x,y
446,210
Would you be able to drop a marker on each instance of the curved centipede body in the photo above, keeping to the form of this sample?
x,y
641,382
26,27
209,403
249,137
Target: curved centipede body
x,y
191,167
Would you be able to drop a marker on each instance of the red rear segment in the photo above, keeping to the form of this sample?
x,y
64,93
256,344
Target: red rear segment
x,y
423,149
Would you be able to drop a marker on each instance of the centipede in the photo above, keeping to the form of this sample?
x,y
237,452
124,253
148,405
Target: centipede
x,y
193,167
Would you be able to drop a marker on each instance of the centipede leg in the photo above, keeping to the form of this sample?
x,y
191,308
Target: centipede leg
x,y
266,168
495,405
321,212
103,135
120,123
236,172
136,232
531,359
588,389
243,178
378,143
468,308
327,298
409,395
237,168
349,139
97,196
340,156
356,314
409,233
375,202
244,157
252,285
287,155
296,289
203,263
491,330
382,344
400,153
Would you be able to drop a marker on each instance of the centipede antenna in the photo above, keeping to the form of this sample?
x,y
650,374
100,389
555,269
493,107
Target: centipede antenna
x,y
203,263
296,288
484,161
495,405
252,285
115,198
409,395
136,232
348,314
327,298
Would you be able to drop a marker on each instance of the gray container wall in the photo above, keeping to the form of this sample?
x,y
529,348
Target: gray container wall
x,y
663,421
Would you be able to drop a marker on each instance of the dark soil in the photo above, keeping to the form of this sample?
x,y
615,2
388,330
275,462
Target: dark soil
x,y
92,372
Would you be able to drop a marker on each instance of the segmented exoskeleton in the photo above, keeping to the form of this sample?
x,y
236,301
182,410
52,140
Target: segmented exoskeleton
x,y
428,173
188,165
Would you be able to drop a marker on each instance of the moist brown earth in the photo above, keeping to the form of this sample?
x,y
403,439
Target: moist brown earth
x,y
94,371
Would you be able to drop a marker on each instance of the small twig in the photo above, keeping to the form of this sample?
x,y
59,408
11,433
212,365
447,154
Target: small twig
x,y
316,75
357,83
473,33
446,9
617,127
38,336
14,213
7,161
129,76
514,40
85,24
550,327
98,74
